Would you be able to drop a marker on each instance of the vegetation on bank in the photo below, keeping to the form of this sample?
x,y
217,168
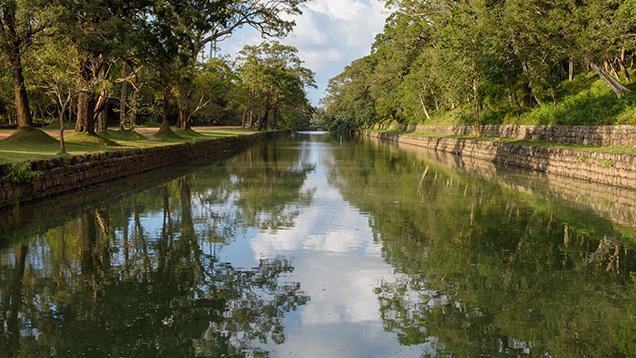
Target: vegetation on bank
x,y
126,64
492,62
77,144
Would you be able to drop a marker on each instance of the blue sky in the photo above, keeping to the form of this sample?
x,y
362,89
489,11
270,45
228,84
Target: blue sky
x,y
329,35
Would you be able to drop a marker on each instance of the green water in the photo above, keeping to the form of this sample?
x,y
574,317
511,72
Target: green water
x,y
315,247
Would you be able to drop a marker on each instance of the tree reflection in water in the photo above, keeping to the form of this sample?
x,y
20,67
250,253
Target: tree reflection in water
x,y
141,277
487,270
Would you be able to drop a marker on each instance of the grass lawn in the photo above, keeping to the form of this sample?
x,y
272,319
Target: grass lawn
x,y
37,146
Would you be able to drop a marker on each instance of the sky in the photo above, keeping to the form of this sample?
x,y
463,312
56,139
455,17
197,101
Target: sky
x,y
329,35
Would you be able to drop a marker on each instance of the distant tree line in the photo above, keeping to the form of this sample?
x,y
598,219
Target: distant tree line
x,y
101,62
485,59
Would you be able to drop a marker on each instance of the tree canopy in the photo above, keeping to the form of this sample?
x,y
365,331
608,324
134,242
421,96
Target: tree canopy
x,y
482,61
143,61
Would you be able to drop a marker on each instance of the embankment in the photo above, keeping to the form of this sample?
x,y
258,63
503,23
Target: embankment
x,y
61,175
617,169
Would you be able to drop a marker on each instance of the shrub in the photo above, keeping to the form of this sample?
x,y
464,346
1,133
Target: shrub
x,y
21,172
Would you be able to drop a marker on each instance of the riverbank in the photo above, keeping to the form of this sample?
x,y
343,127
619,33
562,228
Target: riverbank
x,y
611,165
39,179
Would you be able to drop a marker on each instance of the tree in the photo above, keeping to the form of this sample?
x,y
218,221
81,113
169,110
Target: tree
x,y
348,102
395,51
603,37
205,86
18,25
484,61
274,77
178,32
101,32
55,66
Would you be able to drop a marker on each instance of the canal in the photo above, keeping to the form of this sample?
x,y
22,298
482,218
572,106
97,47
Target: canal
x,y
317,246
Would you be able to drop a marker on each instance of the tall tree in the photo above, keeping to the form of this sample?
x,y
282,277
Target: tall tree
x,y
18,25
179,31
206,86
275,77
101,31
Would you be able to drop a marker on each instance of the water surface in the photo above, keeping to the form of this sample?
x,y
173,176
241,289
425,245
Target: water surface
x,y
316,247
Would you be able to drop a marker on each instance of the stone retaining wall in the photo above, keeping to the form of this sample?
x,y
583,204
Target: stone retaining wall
x,y
55,176
623,135
605,168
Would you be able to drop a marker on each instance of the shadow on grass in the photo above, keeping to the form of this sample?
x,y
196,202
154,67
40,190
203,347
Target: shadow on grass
x,y
91,139
168,136
123,135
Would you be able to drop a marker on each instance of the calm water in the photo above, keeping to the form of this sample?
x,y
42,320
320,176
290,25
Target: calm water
x,y
315,247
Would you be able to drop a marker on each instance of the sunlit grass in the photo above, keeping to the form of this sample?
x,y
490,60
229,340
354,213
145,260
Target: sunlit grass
x,y
112,140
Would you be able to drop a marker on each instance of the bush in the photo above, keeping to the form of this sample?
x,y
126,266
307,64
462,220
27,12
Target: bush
x,y
340,125
21,172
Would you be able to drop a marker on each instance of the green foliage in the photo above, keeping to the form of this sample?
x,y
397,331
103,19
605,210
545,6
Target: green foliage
x,y
83,58
493,62
20,172
349,98
273,82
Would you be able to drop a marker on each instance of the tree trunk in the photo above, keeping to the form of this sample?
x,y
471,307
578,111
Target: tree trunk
x,y
275,119
618,88
571,70
553,95
71,105
122,98
612,70
621,64
85,113
184,117
529,99
263,122
188,123
165,125
61,118
14,42
23,112
476,101
424,106
102,118
132,114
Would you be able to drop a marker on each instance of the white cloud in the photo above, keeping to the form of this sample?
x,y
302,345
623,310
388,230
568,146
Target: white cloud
x,y
338,265
329,35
